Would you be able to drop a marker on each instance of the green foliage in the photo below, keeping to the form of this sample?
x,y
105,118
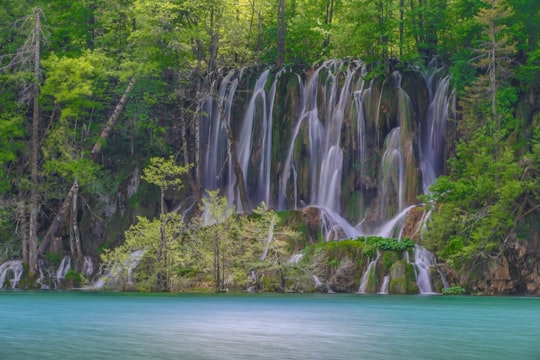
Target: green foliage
x,y
53,258
476,206
164,173
388,244
74,278
454,290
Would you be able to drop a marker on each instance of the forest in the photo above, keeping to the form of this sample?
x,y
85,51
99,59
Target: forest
x,y
93,89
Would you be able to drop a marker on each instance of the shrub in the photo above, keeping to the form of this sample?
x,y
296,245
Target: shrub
x,y
454,290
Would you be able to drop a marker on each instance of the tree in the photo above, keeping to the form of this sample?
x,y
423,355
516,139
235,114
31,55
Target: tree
x,y
216,221
166,174
495,53
28,58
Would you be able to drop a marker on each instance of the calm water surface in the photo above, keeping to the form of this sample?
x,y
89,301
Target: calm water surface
x,y
89,325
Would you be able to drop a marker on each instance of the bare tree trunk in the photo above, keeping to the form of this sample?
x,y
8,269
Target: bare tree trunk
x,y
162,283
75,223
21,218
328,20
197,132
113,118
34,195
60,216
194,182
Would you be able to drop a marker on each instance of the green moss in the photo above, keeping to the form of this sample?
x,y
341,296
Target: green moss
x,y
355,206
388,259
402,279
73,279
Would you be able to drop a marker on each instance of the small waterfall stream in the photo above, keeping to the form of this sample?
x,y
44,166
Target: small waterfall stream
x,y
63,268
364,282
12,268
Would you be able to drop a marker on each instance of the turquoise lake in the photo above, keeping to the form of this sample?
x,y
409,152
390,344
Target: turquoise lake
x,y
96,325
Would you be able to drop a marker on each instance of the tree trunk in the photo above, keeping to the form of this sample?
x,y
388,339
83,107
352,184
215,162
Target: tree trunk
x,y
75,223
162,282
216,259
493,64
113,118
401,26
21,219
34,195
60,216
194,182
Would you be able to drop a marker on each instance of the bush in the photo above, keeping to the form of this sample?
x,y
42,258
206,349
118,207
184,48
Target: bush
x,y
454,290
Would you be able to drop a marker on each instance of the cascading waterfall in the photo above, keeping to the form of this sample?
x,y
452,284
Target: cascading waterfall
x,y
329,183
213,131
392,175
424,261
433,139
347,144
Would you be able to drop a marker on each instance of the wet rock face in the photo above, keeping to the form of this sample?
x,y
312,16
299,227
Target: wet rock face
x,y
412,225
343,278
402,279
521,264
312,219
516,271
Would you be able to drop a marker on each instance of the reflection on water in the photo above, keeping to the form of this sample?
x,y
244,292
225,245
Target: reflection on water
x,y
57,325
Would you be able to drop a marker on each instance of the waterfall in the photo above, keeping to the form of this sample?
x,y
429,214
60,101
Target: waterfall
x,y
213,136
433,138
63,268
317,281
295,258
270,237
244,145
44,274
88,266
335,227
423,261
117,274
14,267
359,150
393,169
364,281
388,228
289,165
384,286
327,192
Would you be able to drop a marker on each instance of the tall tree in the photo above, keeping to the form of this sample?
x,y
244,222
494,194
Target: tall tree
x,y
28,59
166,174
494,53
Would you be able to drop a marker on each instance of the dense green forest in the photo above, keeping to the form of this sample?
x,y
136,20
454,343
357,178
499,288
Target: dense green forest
x,y
82,79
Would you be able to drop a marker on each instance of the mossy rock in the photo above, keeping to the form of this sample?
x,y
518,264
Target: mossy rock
x,y
402,279
343,279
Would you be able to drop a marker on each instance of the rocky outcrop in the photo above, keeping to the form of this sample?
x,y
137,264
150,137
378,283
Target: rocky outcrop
x,y
514,270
